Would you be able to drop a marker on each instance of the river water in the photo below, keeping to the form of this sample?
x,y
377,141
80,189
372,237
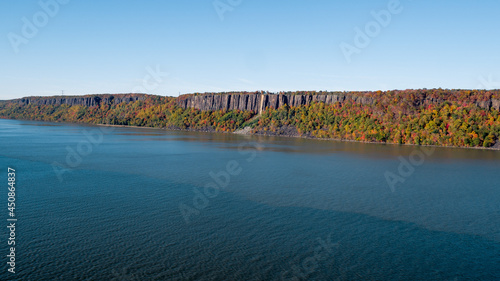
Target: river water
x,y
112,203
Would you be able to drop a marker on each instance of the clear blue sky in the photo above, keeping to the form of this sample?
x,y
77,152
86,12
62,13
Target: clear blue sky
x,y
92,47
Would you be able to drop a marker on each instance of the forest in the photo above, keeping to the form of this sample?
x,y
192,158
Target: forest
x,y
462,118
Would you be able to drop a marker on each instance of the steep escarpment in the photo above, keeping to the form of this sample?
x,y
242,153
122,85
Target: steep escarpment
x,y
89,100
257,102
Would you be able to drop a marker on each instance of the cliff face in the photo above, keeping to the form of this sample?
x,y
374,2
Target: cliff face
x,y
493,103
256,102
81,100
259,102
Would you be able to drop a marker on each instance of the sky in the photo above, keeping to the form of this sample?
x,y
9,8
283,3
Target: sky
x,y
75,47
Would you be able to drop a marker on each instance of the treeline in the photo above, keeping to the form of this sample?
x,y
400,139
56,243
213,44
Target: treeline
x,y
464,118
447,124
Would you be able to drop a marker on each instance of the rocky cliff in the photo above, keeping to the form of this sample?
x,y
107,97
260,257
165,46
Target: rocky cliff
x,y
259,102
93,100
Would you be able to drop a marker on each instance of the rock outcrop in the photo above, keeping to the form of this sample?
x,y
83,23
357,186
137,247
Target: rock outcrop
x,y
259,102
256,102
489,104
94,100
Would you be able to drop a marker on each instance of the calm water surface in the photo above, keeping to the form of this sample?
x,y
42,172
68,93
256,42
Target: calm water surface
x,y
95,203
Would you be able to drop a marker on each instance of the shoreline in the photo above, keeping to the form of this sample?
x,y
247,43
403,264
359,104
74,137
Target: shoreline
x,y
246,132
373,142
241,132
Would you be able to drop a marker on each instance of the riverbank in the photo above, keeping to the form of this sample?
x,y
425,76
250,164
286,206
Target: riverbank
x,y
293,133
286,132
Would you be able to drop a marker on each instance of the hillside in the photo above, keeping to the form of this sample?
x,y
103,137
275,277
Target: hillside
x,y
465,118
